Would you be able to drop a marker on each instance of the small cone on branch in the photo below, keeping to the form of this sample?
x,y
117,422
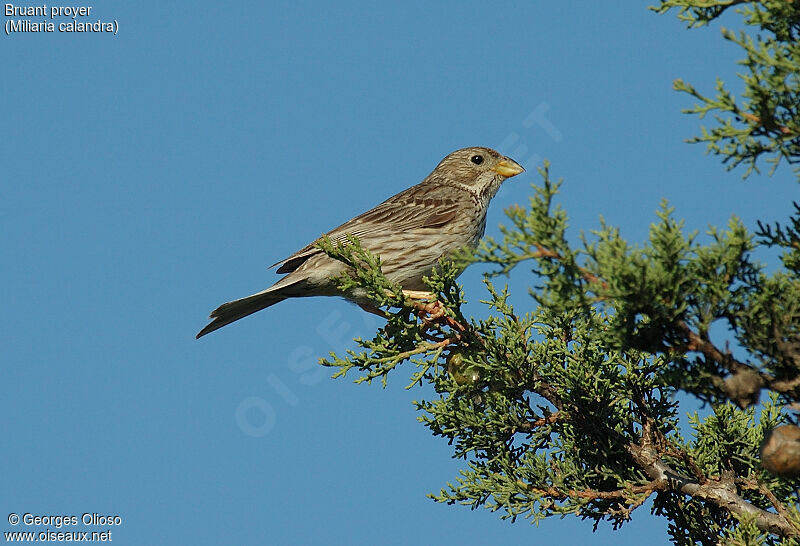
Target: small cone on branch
x,y
780,451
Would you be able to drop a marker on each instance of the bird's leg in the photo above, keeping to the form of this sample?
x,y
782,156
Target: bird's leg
x,y
419,295
433,308
421,300
429,308
427,303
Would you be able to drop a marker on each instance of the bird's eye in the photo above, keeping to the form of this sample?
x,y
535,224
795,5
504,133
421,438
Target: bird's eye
x,y
477,159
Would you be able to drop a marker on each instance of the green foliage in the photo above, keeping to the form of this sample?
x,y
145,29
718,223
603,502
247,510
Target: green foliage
x,y
554,411
764,122
401,338
574,406
787,238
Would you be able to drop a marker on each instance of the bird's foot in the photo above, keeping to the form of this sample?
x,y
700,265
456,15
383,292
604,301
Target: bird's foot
x,y
431,310
429,307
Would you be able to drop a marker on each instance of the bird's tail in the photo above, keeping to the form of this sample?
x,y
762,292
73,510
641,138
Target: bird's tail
x,y
234,310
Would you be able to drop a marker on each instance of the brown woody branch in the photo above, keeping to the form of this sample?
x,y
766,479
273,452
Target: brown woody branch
x,y
661,442
549,420
721,492
542,387
774,127
422,348
671,450
745,382
542,252
703,345
542,421
591,494
761,487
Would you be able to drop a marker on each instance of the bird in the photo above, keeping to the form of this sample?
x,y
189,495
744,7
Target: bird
x,y
410,232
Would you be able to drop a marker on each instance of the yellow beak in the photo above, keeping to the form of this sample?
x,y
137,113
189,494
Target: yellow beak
x,y
508,168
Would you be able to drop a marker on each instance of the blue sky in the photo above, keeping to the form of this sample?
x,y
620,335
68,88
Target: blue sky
x,y
149,176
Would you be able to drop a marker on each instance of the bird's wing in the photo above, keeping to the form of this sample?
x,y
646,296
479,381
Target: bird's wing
x,y
400,213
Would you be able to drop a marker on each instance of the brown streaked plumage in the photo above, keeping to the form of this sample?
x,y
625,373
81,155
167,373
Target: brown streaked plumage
x,y
409,231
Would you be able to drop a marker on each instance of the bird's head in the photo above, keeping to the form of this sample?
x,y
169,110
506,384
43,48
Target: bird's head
x,y
477,170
